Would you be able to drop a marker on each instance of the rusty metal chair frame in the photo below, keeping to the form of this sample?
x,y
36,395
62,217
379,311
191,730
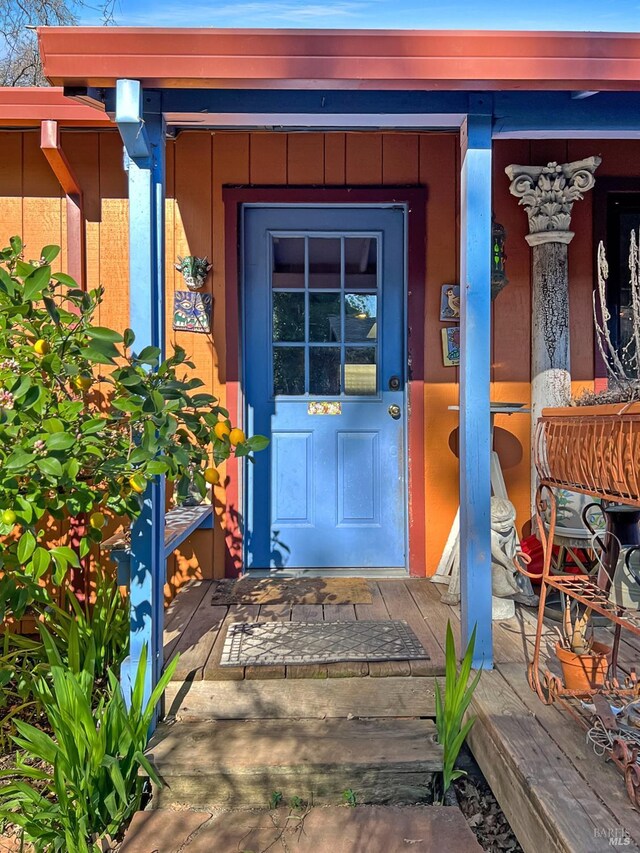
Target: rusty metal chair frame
x,y
598,455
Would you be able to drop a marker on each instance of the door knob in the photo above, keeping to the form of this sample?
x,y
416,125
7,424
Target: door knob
x,y
394,411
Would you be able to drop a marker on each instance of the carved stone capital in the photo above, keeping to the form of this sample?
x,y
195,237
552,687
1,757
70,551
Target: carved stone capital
x,y
548,194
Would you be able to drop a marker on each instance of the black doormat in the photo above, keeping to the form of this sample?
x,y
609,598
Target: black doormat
x,y
287,643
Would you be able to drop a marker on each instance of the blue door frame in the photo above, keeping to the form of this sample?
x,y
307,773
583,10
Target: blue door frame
x,y
330,493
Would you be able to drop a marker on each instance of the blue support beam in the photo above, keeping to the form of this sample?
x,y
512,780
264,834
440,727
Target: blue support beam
x,y
524,115
141,125
475,360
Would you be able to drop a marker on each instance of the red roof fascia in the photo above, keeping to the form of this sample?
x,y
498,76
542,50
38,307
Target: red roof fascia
x,y
28,106
370,59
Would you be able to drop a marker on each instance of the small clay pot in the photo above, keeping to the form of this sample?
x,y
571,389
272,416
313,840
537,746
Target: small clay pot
x,y
586,671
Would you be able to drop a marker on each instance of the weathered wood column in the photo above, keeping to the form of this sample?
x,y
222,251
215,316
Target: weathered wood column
x,y
548,194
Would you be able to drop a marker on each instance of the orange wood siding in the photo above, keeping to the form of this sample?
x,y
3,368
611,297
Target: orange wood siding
x,y
199,164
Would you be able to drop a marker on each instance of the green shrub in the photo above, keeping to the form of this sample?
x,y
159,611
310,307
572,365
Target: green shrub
x,y
85,785
451,708
102,624
70,446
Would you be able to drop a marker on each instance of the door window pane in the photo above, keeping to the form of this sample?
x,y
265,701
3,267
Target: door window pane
x,y
288,317
288,262
324,317
360,371
288,370
360,317
324,371
361,262
324,262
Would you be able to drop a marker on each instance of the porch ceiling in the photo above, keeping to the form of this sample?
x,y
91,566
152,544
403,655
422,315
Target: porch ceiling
x,y
339,59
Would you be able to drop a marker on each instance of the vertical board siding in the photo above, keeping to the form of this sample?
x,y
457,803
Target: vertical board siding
x,y
511,319
230,166
193,235
11,180
200,164
363,159
439,167
335,159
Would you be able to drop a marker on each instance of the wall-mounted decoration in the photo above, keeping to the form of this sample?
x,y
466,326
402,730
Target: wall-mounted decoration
x,y
498,257
194,270
451,346
450,303
192,311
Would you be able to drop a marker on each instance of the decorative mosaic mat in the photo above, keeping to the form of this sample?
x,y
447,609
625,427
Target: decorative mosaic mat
x,y
287,643
291,591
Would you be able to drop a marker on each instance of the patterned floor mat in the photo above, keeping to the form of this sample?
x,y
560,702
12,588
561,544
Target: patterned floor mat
x,y
269,643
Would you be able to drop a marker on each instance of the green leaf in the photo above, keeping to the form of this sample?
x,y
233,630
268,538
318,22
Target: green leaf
x,y
52,310
101,333
63,278
60,441
26,546
50,467
18,459
36,282
149,355
129,337
40,561
95,356
50,253
16,245
23,269
53,425
257,442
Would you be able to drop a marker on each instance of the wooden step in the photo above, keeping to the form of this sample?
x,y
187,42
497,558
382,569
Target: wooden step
x,y
301,699
236,763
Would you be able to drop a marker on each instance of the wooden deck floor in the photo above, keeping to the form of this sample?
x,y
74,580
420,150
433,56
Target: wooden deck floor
x,y
557,794
196,629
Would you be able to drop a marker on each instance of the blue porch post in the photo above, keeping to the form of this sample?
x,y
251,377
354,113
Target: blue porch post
x,y
475,357
141,125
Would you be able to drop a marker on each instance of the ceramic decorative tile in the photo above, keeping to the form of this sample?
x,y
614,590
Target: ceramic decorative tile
x,y
192,311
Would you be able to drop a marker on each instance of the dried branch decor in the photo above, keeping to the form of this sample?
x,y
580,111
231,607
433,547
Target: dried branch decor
x,y
623,367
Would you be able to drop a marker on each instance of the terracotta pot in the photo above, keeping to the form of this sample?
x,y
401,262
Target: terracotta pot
x,y
584,672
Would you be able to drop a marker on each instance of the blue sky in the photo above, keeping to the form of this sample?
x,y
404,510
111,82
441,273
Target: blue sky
x,y
609,15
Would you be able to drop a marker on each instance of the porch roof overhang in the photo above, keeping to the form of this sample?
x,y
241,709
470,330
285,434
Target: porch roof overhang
x,y
30,106
341,59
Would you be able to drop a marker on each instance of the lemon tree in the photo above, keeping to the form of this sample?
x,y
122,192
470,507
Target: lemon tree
x,y
86,421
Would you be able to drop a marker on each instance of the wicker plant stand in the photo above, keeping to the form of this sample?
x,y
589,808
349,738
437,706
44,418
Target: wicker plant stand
x,y
594,450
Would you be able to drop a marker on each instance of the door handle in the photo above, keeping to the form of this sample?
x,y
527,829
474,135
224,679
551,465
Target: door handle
x,y
394,411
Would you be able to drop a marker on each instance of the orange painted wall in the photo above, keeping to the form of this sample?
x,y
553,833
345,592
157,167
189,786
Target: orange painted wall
x,y
199,164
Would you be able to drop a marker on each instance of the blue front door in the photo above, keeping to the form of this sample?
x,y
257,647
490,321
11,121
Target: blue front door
x,y
324,379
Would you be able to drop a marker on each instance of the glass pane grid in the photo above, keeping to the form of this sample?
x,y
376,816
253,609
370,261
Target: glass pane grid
x,y
325,338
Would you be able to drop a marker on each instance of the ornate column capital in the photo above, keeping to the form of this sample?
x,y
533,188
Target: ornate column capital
x,y
548,193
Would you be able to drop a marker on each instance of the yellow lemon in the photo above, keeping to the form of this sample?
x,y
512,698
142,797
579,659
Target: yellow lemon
x,y
41,347
9,517
212,476
97,520
82,382
138,483
237,436
221,429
